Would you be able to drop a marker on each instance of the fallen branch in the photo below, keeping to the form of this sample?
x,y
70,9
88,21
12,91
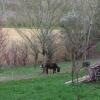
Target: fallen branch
x,y
82,79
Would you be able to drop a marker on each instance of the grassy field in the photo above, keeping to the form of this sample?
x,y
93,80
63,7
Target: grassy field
x,y
45,87
17,73
50,87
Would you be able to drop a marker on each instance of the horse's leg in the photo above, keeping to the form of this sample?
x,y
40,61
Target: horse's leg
x,y
43,69
54,71
58,69
46,70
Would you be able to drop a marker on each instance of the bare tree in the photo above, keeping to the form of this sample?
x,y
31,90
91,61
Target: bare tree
x,y
7,56
3,45
35,51
23,53
52,45
31,43
43,18
77,26
14,51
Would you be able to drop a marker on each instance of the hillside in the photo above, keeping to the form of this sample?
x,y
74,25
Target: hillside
x,y
12,11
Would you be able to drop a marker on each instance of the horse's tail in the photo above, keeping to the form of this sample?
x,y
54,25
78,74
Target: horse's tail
x,y
58,69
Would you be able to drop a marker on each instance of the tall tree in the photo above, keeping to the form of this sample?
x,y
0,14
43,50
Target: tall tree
x,y
43,19
77,25
3,34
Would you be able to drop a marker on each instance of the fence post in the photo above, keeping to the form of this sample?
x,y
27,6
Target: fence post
x,y
12,75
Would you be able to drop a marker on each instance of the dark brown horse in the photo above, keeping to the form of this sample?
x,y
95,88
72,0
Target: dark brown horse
x,y
50,66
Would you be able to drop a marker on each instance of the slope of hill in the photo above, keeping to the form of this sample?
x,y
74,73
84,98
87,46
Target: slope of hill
x,y
12,11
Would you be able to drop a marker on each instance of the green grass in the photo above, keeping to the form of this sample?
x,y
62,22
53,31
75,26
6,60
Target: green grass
x,y
17,73
46,87
50,87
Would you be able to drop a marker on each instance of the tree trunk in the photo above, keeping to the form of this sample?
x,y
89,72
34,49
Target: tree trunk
x,y
73,67
44,62
36,61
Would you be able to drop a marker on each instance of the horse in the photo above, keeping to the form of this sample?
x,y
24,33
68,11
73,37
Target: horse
x,y
50,66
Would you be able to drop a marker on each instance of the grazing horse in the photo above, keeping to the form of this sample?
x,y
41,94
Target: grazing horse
x,y
52,66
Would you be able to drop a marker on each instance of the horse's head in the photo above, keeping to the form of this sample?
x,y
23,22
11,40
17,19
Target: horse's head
x,y
58,69
41,66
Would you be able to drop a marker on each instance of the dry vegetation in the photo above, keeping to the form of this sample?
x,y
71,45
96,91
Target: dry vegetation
x,y
15,39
